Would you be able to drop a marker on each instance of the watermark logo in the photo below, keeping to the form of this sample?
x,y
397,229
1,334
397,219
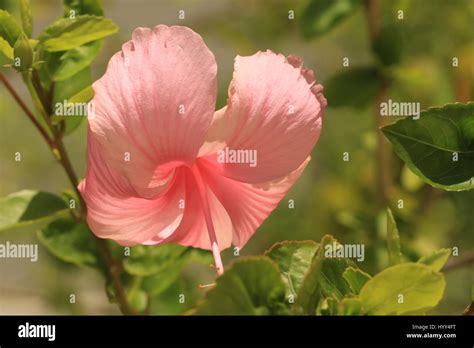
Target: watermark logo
x,y
19,251
37,331
393,108
66,108
227,155
349,251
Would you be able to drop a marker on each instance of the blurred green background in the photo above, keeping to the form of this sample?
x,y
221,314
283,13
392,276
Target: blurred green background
x,y
333,196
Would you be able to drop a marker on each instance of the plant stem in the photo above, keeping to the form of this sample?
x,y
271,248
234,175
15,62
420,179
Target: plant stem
x,y
459,262
59,151
71,174
372,9
27,111
469,309
114,270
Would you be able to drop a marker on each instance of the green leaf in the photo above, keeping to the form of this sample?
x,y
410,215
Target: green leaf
x,y
70,100
439,146
162,280
64,90
149,260
29,207
350,306
332,281
388,45
168,302
70,242
26,17
309,294
251,286
353,87
62,65
82,7
329,306
436,260
293,259
346,306
75,60
138,300
402,289
69,63
65,33
71,96
9,29
136,297
320,16
393,240
324,278
84,96
166,276
355,278
6,51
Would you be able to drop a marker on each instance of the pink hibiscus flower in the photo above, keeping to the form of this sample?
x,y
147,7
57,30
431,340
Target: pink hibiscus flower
x,y
163,167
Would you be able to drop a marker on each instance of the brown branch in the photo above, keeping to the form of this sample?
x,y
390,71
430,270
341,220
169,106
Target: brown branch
x,y
459,262
384,179
372,10
41,93
469,309
27,111
114,270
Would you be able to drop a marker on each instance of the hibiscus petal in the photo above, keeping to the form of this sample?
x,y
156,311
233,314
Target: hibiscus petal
x,y
222,128
275,109
154,105
115,212
248,205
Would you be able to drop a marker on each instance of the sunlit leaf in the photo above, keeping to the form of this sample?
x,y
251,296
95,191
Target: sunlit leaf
x,y
26,17
393,240
402,289
84,96
82,7
75,60
436,260
355,278
65,33
9,29
350,306
64,90
6,51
